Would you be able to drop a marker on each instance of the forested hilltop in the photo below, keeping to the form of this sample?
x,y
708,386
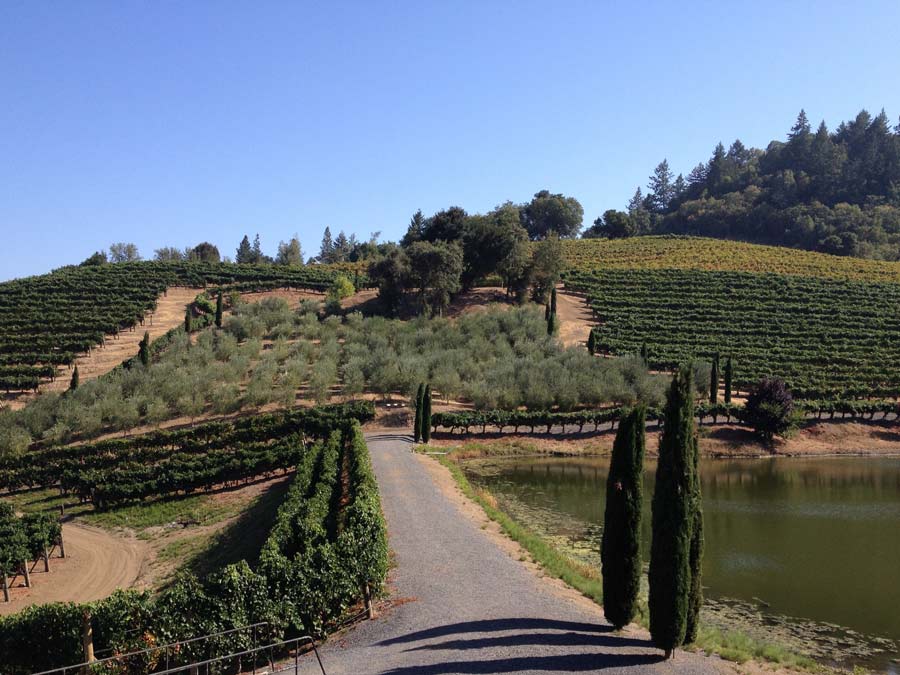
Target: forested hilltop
x,y
831,191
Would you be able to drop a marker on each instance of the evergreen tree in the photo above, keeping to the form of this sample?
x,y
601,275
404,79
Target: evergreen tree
x,y
716,170
256,252
144,349
552,324
188,320
553,301
662,190
673,518
426,414
592,342
714,380
620,548
73,383
729,376
547,312
636,203
244,252
417,424
326,250
219,310
645,354
695,563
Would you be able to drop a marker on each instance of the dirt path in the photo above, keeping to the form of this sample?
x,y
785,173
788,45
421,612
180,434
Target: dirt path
x,y
462,603
97,563
575,318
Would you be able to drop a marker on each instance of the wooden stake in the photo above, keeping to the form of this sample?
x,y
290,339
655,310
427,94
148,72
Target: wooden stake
x,y
87,637
5,588
370,606
46,560
27,575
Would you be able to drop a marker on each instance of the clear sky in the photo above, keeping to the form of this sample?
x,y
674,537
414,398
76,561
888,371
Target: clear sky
x,y
170,123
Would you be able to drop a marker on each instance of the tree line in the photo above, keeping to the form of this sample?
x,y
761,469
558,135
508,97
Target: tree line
x,y
831,191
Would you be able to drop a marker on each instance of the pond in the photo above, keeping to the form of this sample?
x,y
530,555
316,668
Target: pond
x,y
808,549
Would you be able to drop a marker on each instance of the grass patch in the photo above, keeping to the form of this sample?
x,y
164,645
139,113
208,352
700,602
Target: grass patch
x,y
195,509
730,645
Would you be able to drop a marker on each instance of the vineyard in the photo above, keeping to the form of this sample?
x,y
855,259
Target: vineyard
x,y
716,255
825,337
326,550
46,321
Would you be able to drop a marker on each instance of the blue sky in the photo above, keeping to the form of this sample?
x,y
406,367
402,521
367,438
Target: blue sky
x,y
170,123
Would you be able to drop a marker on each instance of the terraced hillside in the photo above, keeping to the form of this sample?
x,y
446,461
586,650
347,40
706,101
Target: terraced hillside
x,y
821,322
46,321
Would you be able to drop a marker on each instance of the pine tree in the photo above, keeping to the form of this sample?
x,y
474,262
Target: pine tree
x,y
426,414
417,424
188,320
326,250
714,380
673,518
144,349
244,252
729,376
620,549
73,384
592,342
662,191
219,310
256,251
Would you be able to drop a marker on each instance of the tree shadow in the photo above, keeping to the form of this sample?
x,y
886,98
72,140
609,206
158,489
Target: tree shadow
x,y
497,625
572,663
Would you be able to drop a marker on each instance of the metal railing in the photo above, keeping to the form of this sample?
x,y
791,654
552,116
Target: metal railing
x,y
167,649
219,664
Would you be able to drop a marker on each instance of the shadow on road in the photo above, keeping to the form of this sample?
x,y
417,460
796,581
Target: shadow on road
x,y
573,663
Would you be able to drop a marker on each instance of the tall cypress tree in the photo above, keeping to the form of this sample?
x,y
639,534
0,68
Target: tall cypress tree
x,y
592,342
620,548
729,376
219,310
695,595
188,320
673,518
553,302
645,354
426,414
714,380
144,349
417,424
73,383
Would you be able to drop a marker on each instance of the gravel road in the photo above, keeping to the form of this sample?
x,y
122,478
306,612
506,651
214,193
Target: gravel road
x,y
462,605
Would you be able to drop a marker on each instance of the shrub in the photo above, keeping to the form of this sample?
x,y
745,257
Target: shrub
x,y
769,409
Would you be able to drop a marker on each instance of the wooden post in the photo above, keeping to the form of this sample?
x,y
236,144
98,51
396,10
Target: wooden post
x,y
87,637
5,588
46,560
27,575
370,606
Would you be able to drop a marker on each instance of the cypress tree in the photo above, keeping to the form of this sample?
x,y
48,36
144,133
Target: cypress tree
x,y
673,518
714,380
645,354
219,310
553,302
144,349
592,342
426,414
417,424
547,312
551,324
73,384
188,320
620,548
729,375
695,596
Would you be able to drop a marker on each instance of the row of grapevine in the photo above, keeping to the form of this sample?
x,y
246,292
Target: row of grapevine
x,y
166,462
826,338
329,544
24,539
544,420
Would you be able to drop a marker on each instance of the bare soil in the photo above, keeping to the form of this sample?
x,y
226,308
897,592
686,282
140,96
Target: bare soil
x,y
98,562
575,318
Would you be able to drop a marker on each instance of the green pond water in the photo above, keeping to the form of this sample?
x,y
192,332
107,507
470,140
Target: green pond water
x,y
806,549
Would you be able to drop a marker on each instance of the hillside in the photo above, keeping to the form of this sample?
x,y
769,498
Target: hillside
x,y
47,321
818,321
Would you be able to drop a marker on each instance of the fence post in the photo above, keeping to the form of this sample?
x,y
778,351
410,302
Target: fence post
x,y
5,588
46,560
26,574
87,638
370,607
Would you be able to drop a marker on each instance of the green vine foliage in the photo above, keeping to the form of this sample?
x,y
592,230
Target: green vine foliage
x,y
328,542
